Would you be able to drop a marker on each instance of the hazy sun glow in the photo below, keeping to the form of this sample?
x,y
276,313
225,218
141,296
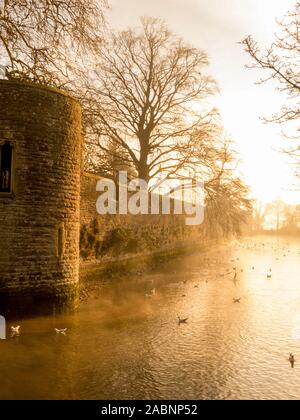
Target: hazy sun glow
x,y
218,30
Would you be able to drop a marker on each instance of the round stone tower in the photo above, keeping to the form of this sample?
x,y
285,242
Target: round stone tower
x,y
40,166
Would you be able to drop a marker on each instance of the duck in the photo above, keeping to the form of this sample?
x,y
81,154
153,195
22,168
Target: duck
x,y
61,331
15,330
237,300
292,359
152,293
182,320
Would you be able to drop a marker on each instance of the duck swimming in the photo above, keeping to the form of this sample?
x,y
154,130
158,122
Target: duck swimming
x,y
237,300
292,360
15,330
182,320
62,331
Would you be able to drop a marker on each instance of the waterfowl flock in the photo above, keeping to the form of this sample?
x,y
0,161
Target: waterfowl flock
x,y
15,331
234,270
239,269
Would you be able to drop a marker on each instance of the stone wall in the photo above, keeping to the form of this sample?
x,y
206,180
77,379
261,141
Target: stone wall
x,y
110,237
40,221
39,224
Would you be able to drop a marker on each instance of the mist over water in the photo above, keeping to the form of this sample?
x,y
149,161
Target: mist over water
x,y
124,344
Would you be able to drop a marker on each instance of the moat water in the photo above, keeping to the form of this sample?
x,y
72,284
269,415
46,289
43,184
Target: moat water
x,y
126,343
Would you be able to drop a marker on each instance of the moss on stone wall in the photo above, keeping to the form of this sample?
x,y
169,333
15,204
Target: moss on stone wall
x,y
107,237
117,241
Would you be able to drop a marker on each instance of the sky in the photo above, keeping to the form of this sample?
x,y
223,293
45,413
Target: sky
x,y
217,26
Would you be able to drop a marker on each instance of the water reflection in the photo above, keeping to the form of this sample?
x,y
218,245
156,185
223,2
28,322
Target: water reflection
x,y
127,343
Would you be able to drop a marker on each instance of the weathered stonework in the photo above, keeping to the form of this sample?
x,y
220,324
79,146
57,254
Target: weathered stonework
x,y
105,238
39,224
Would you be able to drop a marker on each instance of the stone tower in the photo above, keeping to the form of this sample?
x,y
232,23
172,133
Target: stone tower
x,y
40,166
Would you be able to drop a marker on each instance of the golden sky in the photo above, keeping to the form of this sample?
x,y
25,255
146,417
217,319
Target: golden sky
x,y
217,26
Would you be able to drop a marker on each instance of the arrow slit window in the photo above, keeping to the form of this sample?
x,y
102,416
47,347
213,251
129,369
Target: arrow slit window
x,y
6,169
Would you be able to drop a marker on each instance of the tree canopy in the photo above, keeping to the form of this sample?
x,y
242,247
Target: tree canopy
x,y
43,40
281,64
146,96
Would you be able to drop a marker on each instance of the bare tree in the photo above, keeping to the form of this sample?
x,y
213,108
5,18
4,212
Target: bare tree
x,y
291,221
42,40
228,206
108,164
148,96
281,63
258,217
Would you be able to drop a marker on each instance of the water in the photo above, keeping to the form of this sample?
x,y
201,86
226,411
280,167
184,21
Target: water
x,y
123,345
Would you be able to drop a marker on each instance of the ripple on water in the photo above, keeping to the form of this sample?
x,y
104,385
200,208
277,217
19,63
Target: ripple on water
x,y
124,346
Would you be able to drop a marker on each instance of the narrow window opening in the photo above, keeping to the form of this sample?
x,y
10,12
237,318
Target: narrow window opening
x,y
6,163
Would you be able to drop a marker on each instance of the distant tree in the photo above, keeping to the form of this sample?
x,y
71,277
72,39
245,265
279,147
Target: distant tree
x,y
291,222
147,102
276,213
148,97
258,217
228,206
281,64
43,40
297,217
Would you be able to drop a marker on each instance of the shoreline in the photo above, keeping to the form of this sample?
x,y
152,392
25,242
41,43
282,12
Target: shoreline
x,y
93,274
